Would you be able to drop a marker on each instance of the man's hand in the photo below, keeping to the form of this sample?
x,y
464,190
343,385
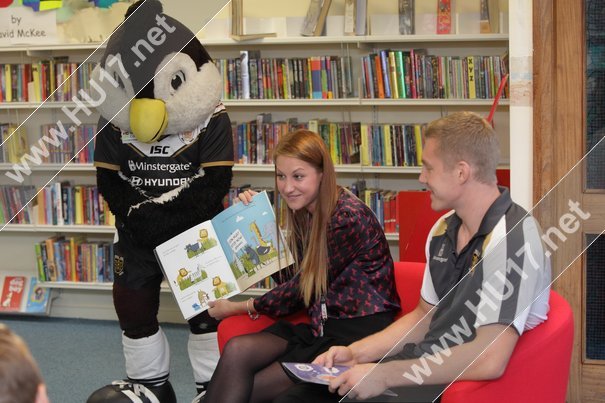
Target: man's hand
x,y
340,355
222,308
372,385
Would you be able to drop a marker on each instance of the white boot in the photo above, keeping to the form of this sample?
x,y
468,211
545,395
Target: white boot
x,y
147,367
147,358
204,355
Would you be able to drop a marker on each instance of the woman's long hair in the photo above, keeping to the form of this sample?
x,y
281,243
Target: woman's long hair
x,y
307,146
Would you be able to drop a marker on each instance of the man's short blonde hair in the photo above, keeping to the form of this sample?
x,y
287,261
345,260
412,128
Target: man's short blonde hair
x,y
466,136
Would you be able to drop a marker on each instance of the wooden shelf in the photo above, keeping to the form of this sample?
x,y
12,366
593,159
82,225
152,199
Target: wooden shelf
x,y
36,105
80,285
87,229
286,40
246,103
368,39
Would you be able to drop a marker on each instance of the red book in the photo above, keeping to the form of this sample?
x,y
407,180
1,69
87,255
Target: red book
x,y
12,293
444,17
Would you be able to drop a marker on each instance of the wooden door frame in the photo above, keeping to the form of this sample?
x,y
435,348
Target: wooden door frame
x,y
559,125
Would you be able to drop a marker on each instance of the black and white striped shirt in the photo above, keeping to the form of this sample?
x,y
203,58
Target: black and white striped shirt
x,y
501,276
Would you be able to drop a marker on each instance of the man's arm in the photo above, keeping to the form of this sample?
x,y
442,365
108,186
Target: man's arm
x,y
484,362
410,328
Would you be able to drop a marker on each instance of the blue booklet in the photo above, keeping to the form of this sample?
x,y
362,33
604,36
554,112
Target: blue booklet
x,y
315,373
224,256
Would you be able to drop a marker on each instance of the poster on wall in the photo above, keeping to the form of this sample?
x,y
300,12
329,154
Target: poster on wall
x,y
22,25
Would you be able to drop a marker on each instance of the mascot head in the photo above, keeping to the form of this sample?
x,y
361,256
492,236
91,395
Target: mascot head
x,y
157,76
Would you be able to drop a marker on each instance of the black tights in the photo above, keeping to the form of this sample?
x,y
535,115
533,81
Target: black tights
x,y
248,370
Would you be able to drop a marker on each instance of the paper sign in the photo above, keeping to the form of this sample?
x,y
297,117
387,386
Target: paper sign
x,y
22,25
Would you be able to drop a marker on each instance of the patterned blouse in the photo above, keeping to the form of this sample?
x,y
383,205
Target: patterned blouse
x,y
360,281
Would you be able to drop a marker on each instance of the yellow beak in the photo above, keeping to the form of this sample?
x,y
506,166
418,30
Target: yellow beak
x,y
148,119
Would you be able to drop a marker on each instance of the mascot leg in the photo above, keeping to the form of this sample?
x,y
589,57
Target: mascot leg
x,y
203,350
146,351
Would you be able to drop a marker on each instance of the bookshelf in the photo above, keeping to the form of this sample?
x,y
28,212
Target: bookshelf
x,y
93,299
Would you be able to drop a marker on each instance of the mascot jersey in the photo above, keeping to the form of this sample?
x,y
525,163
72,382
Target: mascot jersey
x,y
168,163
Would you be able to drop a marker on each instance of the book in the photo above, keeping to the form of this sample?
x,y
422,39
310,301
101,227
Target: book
x,y
38,298
489,13
315,19
245,74
444,17
314,373
361,17
222,257
311,18
237,24
349,23
13,290
323,14
406,17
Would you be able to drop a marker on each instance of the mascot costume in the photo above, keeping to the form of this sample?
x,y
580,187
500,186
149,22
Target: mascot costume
x,y
164,156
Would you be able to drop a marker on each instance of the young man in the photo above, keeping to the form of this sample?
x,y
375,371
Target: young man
x,y
20,378
485,266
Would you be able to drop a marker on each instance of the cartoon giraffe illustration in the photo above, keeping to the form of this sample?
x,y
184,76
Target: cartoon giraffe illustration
x,y
263,246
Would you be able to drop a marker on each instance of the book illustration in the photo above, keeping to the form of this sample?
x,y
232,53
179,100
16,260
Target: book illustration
x,y
12,293
38,297
224,256
187,278
201,244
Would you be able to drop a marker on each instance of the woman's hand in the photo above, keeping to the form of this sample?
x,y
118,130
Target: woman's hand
x,y
223,308
246,196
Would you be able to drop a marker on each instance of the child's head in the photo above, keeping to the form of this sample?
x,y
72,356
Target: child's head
x,y
20,378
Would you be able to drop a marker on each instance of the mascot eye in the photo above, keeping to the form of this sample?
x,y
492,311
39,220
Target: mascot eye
x,y
117,77
177,80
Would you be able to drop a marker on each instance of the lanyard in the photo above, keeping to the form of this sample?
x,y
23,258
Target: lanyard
x,y
324,315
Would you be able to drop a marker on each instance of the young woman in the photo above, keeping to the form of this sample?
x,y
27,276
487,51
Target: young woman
x,y
343,276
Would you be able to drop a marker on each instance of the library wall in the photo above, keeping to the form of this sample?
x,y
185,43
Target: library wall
x,y
94,301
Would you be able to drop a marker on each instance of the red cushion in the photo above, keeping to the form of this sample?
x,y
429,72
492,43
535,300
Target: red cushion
x,y
408,280
538,369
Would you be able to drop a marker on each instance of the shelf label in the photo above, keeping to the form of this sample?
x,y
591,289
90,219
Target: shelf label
x,y
22,25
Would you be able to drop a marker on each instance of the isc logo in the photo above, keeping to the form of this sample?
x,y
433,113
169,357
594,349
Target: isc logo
x,y
159,150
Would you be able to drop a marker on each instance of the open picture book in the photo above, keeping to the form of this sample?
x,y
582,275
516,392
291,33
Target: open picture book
x,y
222,257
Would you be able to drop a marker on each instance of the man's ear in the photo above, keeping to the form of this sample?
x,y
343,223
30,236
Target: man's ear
x,y
463,172
41,396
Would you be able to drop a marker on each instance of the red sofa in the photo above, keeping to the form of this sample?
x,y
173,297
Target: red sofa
x,y
538,370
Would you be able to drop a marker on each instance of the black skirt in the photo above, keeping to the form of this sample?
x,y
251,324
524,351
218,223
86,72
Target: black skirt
x,y
303,346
